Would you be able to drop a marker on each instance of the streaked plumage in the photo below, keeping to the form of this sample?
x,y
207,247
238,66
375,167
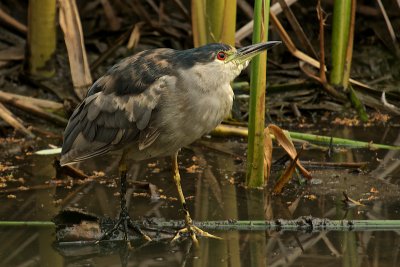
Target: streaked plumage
x,y
152,104
148,104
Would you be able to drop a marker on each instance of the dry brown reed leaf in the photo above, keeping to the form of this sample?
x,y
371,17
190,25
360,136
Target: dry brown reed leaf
x,y
286,176
267,154
134,38
288,146
71,26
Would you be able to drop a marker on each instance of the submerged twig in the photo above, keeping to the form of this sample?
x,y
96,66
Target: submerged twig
x,y
300,224
333,165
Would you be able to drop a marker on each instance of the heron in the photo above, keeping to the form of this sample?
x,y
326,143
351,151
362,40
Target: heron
x,y
151,105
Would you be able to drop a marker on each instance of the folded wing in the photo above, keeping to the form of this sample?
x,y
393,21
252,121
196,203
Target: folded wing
x,y
118,108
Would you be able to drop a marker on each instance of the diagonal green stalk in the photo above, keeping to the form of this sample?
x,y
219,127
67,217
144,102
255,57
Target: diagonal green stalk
x,y
226,130
326,140
255,150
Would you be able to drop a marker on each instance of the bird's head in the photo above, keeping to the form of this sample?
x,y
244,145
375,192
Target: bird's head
x,y
221,59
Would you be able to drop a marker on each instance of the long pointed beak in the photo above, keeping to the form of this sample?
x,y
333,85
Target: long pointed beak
x,y
248,52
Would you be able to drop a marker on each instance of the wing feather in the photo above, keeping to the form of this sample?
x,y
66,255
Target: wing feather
x,y
107,125
106,122
118,107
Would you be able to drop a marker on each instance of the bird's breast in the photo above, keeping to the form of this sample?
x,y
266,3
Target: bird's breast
x,y
193,113
210,109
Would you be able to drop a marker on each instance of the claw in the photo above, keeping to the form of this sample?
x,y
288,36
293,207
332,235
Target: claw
x,y
194,231
124,220
124,223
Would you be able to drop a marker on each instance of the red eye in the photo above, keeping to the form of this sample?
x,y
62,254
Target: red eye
x,y
221,55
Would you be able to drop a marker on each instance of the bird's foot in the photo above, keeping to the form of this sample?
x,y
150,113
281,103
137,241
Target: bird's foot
x,y
193,232
123,225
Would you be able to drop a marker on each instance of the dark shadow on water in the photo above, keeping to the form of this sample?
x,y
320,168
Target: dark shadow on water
x,y
212,175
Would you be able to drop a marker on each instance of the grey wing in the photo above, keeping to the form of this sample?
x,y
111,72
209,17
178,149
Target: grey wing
x,y
103,122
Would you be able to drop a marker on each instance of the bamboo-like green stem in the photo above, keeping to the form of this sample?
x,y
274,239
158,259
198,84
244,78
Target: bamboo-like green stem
x,y
213,21
199,23
349,48
255,150
344,14
229,22
41,43
340,36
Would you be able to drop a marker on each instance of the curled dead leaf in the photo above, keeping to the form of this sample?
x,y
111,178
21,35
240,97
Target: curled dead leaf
x,y
286,176
267,154
288,146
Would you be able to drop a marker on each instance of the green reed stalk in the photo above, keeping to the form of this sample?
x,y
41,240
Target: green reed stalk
x,y
344,14
355,101
41,42
199,23
229,23
255,150
213,21
340,36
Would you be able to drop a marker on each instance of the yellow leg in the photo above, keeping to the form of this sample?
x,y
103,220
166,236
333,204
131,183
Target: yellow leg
x,y
190,228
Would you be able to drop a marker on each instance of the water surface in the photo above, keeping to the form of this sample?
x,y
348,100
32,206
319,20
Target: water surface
x,y
212,173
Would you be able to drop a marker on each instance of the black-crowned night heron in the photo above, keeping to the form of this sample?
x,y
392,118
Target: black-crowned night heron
x,y
152,104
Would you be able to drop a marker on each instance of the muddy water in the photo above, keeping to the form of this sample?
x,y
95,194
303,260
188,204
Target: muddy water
x,y
212,176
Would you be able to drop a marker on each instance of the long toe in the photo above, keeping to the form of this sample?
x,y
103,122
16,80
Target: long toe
x,y
193,231
139,231
121,230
